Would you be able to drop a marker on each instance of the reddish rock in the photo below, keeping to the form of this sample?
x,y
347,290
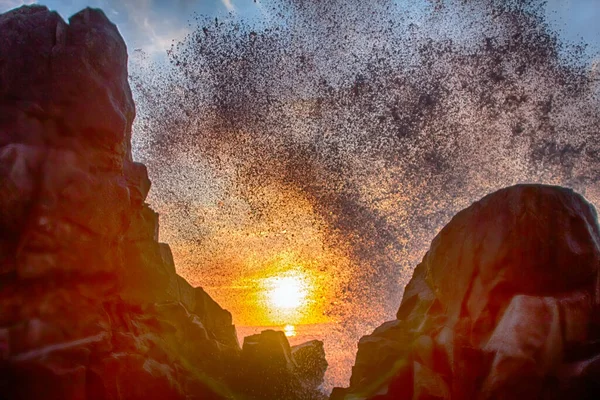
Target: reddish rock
x,y
504,305
91,306
216,319
19,165
62,71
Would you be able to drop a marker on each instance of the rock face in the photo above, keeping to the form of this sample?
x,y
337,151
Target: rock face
x,y
272,367
90,304
505,305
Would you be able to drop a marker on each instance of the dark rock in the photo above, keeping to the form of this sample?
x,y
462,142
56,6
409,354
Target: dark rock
x,y
18,167
271,370
67,70
144,225
217,319
146,275
310,361
504,305
91,306
138,182
269,349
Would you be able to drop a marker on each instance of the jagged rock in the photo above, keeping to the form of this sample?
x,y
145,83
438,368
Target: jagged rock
x,y
504,305
138,182
144,225
218,320
60,72
91,306
311,362
268,349
272,370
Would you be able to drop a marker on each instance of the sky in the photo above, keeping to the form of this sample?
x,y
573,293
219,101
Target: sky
x,y
152,25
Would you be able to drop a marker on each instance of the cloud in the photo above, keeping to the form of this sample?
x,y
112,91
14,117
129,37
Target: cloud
x,y
153,25
149,29
228,5
6,5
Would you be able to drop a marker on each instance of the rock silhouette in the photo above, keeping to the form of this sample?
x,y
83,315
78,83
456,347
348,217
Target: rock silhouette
x,y
91,306
503,306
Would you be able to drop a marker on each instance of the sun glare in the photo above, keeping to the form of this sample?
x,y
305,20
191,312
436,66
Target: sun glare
x,y
287,292
288,297
286,289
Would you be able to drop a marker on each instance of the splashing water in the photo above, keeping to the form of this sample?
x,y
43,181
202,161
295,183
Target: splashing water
x,y
340,136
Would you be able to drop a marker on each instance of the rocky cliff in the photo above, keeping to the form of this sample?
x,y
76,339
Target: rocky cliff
x,y
90,304
504,305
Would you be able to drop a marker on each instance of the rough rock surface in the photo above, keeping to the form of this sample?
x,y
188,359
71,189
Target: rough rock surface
x,y
505,305
270,365
90,304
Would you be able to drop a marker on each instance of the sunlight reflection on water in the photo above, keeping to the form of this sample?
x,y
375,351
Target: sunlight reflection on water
x,y
289,330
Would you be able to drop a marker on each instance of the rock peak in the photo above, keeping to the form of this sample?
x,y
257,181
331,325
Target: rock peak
x,y
62,71
503,305
91,306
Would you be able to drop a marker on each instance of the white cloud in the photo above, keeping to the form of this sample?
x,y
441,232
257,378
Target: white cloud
x,y
147,28
6,5
228,5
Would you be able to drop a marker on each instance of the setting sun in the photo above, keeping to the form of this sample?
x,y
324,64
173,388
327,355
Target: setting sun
x,y
287,292
288,296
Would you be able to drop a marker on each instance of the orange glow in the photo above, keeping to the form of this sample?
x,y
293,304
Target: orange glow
x,y
276,271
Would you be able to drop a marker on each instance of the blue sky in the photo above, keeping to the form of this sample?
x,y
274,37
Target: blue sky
x,y
152,25
149,24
